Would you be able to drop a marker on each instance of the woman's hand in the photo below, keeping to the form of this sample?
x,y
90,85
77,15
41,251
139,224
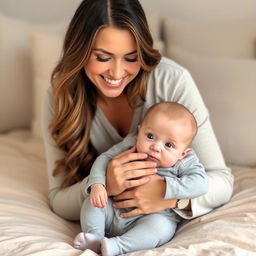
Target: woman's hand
x,y
147,198
126,171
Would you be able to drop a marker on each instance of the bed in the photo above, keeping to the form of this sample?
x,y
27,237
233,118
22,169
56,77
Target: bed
x,y
29,227
226,77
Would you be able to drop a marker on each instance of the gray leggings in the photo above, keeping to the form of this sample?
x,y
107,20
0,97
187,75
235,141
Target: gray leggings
x,y
127,234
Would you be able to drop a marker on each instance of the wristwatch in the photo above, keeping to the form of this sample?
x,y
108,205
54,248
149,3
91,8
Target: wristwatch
x,y
182,204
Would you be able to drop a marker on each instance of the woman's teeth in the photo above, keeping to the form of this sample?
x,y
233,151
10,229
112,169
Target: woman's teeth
x,y
114,82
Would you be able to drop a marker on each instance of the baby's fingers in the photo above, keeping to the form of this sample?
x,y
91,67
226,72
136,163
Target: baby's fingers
x,y
93,202
104,200
99,201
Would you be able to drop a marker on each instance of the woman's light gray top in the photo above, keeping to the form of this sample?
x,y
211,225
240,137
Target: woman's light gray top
x,y
168,82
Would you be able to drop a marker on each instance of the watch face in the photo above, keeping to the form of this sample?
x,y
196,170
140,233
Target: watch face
x,y
183,203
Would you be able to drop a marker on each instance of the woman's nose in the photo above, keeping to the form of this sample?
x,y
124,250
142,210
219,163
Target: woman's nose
x,y
117,70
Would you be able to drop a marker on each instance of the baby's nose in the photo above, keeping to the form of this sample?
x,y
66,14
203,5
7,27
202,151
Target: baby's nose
x,y
156,147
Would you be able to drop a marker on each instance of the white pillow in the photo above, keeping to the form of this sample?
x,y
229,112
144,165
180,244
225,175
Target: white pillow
x,y
155,26
46,50
15,75
228,87
231,38
15,70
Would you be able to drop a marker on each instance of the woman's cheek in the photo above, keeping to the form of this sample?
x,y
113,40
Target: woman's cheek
x,y
135,68
95,67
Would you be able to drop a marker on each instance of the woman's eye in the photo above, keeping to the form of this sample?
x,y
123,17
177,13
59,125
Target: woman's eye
x,y
102,59
169,145
131,59
150,136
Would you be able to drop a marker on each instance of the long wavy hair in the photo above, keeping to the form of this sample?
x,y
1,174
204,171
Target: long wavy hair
x,y
74,95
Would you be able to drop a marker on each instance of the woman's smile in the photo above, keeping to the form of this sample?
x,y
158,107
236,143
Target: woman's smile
x,y
113,83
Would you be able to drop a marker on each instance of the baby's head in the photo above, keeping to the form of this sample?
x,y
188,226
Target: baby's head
x,y
166,133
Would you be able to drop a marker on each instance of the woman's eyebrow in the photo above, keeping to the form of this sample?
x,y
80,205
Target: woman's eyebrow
x,y
110,53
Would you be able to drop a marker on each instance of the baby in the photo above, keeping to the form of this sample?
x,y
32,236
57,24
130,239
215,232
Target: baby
x,y
165,135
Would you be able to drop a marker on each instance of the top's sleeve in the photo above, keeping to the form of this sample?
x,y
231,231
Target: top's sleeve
x,y
190,182
206,147
99,167
64,202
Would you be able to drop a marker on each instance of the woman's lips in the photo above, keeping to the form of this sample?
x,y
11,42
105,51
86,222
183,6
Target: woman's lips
x,y
113,83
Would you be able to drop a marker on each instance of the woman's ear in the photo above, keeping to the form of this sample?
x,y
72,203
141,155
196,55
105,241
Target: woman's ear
x,y
184,153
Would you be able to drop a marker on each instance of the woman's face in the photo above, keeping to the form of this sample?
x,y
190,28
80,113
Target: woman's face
x,y
113,63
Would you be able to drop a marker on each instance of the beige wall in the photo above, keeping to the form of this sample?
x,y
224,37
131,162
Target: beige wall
x,y
203,9
49,10
40,11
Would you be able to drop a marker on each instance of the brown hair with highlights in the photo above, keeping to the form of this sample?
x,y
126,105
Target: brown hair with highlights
x,y
74,95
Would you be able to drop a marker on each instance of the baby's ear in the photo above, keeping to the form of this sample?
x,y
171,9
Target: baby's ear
x,y
184,153
139,127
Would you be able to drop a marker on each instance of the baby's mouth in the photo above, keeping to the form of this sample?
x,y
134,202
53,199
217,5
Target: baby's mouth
x,y
152,158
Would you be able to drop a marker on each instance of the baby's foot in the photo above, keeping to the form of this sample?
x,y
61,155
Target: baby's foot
x,y
108,247
105,250
85,241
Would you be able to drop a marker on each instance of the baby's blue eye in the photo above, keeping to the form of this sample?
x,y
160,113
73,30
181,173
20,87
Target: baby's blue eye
x,y
150,136
169,145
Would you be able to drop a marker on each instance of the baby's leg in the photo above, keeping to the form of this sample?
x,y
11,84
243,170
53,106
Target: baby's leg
x,y
150,231
93,222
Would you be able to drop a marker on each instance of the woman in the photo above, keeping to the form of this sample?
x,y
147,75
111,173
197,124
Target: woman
x,y
108,76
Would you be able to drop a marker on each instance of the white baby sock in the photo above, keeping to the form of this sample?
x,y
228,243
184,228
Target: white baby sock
x,y
109,247
85,241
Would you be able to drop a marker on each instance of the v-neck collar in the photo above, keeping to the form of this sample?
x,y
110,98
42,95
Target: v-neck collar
x,y
112,130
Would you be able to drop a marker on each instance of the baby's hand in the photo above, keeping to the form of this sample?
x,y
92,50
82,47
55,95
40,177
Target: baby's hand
x,y
98,196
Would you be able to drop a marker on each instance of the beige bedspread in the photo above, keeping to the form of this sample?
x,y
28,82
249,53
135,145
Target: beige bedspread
x,y
29,227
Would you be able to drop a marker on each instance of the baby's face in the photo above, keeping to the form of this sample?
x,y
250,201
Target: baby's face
x,y
164,140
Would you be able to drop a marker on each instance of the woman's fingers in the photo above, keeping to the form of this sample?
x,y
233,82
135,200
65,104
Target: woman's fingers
x,y
136,169
146,199
128,157
128,194
139,172
132,213
127,170
131,150
124,204
136,182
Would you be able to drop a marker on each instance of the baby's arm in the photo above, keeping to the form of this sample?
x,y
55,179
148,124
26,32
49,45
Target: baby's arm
x,y
98,195
191,182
